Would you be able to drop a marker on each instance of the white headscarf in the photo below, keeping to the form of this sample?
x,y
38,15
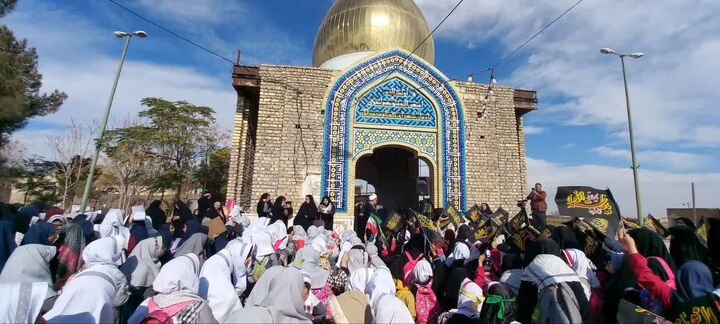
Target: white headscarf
x,y
90,296
513,279
277,230
422,271
319,243
581,265
143,264
313,231
180,274
216,279
388,309
113,224
381,283
106,250
263,244
21,302
470,299
344,248
283,302
548,269
359,279
30,263
459,252
61,218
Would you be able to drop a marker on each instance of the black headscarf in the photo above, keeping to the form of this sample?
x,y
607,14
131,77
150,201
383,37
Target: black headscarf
x,y
183,211
541,246
565,237
511,261
277,209
685,246
500,306
157,215
307,214
452,289
649,243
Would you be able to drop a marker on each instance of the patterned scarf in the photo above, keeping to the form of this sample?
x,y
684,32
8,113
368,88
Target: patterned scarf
x,y
69,253
187,314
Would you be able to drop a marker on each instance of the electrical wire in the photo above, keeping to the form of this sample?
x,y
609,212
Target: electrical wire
x,y
172,33
424,40
530,39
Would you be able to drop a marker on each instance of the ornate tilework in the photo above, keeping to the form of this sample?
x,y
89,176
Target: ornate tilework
x,y
395,102
367,139
356,81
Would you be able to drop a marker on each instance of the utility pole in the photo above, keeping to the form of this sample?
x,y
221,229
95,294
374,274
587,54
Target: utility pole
x,y
694,211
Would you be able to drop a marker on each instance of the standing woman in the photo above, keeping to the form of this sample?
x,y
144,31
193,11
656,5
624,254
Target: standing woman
x,y
264,207
287,212
485,211
327,212
307,213
277,209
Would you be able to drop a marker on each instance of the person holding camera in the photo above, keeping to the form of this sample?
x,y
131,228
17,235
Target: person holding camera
x,y
538,206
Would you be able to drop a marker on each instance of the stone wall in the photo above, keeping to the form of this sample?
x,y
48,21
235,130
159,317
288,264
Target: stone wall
x,y
289,133
495,147
286,155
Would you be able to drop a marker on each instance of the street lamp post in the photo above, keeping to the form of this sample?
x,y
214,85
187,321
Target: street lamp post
x,y
606,50
103,124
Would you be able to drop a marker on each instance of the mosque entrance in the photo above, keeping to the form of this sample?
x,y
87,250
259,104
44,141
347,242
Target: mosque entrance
x,y
396,175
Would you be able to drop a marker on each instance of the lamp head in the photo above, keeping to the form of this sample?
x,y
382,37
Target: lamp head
x,y
636,55
121,34
607,50
140,33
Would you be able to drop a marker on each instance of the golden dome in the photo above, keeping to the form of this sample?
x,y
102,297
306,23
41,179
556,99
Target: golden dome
x,y
357,26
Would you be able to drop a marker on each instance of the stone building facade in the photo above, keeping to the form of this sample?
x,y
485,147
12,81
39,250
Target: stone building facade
x,y
375,113
280,127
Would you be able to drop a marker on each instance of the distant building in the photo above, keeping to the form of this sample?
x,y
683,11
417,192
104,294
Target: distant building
x,y
675,213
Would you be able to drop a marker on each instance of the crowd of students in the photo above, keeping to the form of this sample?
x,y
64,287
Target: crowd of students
x,y
105,267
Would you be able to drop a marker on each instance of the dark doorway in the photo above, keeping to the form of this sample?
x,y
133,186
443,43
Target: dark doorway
x,y
396,175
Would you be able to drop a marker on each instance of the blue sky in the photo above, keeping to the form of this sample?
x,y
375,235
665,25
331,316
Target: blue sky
x,y
578,135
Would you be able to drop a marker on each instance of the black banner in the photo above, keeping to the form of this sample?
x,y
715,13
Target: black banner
x,y
700,310
499,217
702,232
518,222
454,216
654,223
522,238
428,228
393,222
631,313
473,214
630,224
596,207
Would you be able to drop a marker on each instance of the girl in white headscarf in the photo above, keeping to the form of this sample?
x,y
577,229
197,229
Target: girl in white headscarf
x,y
217,277
459,252
469,305
381,283
140,269
22,302
90,296
389,309
284,302
31,263
104,251
113,224
577,260
176,286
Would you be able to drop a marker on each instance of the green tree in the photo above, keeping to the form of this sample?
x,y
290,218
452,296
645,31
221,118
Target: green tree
x,y
175,136
212,174
20,82
37,181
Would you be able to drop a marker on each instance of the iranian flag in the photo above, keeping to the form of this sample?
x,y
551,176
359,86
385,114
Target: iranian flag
x,y
372,228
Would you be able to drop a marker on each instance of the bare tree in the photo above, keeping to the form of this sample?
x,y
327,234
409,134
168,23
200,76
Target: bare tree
x,y
129,164
71,151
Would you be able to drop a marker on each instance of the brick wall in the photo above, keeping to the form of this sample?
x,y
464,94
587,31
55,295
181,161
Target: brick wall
x,y
285,160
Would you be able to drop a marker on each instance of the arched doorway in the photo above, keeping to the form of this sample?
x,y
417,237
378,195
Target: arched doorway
x,y
398,176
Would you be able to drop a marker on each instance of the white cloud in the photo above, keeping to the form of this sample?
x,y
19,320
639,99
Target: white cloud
x,y
659,190
533,130
669,159
673,89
